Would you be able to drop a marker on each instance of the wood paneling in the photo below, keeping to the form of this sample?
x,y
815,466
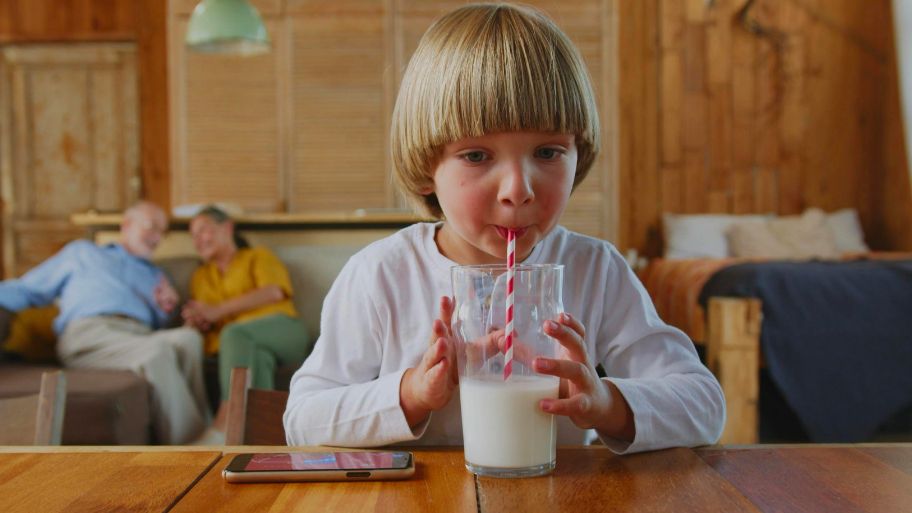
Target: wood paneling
x,y
28,21
341,102
155,136
305,127
784,106
639,149
225,124
795,105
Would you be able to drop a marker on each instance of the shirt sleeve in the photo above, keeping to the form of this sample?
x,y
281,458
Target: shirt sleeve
x,y
43,283
338,396
269,270
674,398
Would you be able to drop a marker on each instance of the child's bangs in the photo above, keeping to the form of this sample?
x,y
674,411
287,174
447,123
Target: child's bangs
x,y
512,78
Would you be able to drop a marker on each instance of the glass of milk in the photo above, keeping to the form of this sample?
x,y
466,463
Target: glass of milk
x,y
504,431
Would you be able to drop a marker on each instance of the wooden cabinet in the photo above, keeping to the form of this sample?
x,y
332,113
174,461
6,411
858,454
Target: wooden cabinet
x,y
69,135
305,127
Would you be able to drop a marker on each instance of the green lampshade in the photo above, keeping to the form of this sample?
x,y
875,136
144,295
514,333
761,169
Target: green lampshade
x,y
227,26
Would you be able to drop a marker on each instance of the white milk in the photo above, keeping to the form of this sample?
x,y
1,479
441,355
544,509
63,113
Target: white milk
x,y
502,425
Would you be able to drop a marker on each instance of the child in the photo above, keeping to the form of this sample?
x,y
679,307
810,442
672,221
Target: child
x,y
494,126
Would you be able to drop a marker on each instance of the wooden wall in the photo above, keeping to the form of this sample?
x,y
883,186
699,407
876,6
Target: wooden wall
x,y
793,105
760,106
304,128
28,21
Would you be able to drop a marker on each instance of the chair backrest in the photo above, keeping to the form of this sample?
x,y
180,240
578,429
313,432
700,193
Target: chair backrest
x,y
254,416
35,419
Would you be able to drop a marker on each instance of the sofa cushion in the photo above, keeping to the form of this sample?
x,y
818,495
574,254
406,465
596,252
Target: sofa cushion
x,y
313,270
179,270
31,334
102,406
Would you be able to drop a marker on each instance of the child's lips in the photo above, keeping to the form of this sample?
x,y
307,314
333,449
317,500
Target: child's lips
x,y
503,231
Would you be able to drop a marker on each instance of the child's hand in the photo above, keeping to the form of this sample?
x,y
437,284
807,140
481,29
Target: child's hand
x,y
430,385
589,401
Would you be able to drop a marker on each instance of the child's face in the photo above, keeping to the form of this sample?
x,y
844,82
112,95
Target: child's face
x,y
489,184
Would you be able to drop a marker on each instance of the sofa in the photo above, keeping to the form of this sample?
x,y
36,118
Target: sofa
x,y
112,407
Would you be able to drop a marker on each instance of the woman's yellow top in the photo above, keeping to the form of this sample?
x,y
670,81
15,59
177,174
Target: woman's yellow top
x,y
250,269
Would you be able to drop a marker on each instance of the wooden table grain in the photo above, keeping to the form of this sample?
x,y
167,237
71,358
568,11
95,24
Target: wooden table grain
x,y
767,479
830,479
594,479
440,483
98,481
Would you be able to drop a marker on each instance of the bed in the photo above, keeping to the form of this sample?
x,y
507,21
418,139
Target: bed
x,y
834,332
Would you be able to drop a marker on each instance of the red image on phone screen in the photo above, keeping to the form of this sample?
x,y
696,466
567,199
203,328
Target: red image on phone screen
x,y
320,461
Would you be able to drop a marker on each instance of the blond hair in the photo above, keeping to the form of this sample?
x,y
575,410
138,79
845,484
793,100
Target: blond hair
x,y
487,68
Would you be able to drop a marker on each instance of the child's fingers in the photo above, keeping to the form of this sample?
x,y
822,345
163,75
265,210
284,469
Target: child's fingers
x,y
574,371
446,311
570,338
523,352
578,406
438,330
433,355
487,346
572,323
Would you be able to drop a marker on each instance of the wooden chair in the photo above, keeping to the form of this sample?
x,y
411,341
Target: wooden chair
x,y
35,419
254,416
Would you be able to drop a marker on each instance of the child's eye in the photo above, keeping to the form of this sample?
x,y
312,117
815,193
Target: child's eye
x,y
475,156
548,153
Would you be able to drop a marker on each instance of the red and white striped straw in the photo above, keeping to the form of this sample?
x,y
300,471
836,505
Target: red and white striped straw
x,y
511,271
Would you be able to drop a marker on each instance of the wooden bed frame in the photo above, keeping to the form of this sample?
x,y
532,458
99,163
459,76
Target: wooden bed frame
x,y
733,355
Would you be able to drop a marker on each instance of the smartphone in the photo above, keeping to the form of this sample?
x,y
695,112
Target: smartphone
x,y
319,466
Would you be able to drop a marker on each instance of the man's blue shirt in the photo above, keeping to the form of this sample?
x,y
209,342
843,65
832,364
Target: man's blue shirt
x,y
89,280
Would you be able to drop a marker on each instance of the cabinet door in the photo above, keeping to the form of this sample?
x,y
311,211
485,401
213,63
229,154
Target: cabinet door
x,y
69,133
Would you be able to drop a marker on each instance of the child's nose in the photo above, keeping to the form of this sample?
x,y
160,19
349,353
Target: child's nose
x,y
516,185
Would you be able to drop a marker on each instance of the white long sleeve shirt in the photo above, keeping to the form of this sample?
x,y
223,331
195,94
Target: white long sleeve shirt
x,y
376,323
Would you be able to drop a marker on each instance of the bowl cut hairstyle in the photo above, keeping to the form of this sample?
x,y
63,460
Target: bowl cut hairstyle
x,y
488,68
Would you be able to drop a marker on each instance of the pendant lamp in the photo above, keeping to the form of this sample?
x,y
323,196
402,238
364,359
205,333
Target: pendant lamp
x,y
227,27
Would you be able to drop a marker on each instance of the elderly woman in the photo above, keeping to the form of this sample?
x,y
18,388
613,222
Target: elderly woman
x,y
241,302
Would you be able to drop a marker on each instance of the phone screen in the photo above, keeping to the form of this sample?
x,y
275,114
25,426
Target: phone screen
x,y
357,460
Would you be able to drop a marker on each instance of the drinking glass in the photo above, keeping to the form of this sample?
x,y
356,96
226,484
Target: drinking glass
x,y
505,433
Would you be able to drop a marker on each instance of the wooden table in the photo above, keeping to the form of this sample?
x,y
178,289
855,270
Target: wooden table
x,y
98,481
807,478
441,483
863,478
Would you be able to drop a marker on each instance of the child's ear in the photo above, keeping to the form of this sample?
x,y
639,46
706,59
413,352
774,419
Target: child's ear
x,y
426,190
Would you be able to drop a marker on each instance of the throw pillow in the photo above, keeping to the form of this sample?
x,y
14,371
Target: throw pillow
x,y
807,236
31,334
700,235
846,229
754,239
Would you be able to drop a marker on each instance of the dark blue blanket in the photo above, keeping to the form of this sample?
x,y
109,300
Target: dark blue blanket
x,y
836,338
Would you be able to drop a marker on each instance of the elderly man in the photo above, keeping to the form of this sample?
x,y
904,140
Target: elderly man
x,y
113,301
